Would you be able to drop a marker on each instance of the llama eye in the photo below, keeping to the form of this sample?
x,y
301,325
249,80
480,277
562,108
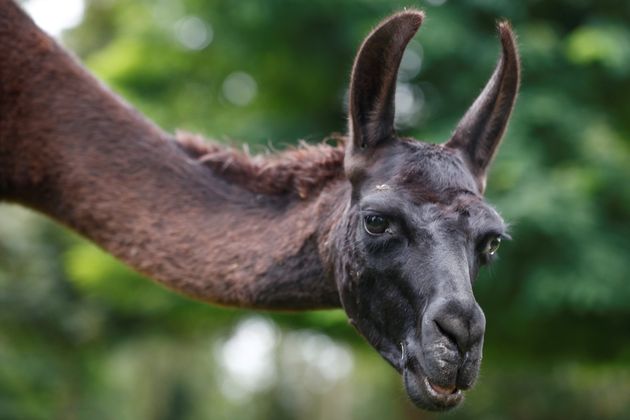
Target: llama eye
x,y
492,245
375,225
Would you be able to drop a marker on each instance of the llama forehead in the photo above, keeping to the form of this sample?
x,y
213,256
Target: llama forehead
x,y
430,185
421,172
438,169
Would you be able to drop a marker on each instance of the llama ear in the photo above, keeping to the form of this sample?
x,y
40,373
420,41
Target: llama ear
x,y
373,82
479,132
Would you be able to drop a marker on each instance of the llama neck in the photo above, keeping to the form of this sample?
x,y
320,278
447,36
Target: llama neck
x,y
74,151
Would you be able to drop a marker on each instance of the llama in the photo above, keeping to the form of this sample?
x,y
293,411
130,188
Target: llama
x,y
391,229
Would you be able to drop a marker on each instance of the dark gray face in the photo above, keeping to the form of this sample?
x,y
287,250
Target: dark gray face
x,y
420,232
417,229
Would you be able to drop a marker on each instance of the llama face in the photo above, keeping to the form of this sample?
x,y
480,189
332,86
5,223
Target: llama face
x,y
417,230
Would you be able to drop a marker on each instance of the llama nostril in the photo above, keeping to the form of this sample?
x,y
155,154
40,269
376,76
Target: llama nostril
x,y
460,329
461,321
444,332
454,332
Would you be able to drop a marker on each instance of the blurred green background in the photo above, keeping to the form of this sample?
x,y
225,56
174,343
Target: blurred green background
x,y
83,337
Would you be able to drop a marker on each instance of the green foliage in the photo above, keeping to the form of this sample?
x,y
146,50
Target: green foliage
x,y
82,336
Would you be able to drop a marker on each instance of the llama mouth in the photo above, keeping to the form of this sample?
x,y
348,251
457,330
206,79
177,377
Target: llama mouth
x,y
438,390
422,392
446,396
429,396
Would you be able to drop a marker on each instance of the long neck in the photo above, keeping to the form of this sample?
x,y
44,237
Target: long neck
x,y
74,151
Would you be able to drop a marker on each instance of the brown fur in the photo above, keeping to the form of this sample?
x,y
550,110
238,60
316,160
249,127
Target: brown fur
x,y
303,170
76,152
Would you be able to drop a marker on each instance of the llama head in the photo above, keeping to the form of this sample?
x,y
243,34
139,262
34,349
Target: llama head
x,y
417,229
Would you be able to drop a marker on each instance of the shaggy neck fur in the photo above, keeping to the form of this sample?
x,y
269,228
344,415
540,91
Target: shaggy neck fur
x,y
304,171
202,219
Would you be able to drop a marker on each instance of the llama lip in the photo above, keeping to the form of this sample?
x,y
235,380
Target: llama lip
x,y
441,390
426,395
442,400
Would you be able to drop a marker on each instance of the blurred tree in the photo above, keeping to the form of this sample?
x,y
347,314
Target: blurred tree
x,y
83,337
